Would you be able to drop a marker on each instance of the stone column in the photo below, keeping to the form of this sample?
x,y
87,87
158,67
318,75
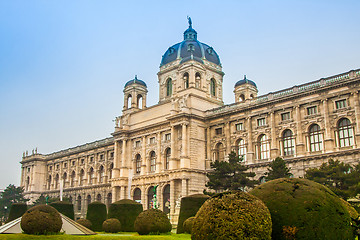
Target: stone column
x,y
173,162
172,197
274,148
227,131
328,139
117,160
159,162
184,187
300,145
185,161
355,96
208,147
250,152
143,157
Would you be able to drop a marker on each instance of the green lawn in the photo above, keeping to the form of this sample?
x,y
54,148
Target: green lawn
x,y
99,236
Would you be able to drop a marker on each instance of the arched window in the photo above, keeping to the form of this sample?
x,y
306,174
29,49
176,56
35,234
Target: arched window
x,y
315,138
79,203
197,80
27,183
101,173
138,164
150,196
129,101
219,152
91,175
139,101
49,182
166,199
264,146
57,181
212,87
82,176
288,143
167,158
241,98
186,80
169,87
88,200
152,162
72,179
346,135
64,180
241,148
98,197
137,195
109,199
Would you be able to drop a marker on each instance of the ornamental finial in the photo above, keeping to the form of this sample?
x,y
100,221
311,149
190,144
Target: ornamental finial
x,y
190,22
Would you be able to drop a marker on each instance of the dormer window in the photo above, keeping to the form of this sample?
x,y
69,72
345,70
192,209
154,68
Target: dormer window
x,y
210,51
171,50
191,47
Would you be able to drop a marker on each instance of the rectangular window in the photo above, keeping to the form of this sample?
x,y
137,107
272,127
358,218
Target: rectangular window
x,y
82,161
152,140
91,159
261,122
112,154
137,144
285,116
167,137
65,165
73,163
50,168
101,157
218,131
340,104
312,110
239,126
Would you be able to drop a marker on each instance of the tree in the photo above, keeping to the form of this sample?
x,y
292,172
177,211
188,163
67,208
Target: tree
x,y
343,179
10,195
277,169
230,175
42,200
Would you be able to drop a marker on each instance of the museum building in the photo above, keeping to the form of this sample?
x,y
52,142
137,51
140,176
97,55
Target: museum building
x,y
167,148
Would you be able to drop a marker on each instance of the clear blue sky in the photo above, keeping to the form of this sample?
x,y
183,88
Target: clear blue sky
x,y
63,64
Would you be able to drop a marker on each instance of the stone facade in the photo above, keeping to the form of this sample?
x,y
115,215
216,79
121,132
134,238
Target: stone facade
x,y
167,148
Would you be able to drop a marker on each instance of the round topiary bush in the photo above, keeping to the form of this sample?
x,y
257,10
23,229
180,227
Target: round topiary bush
x,y
16,211
126,211
96,213
152,221
86,223
188,224
303,209
64,207
41,219
111,225
232,215
188,208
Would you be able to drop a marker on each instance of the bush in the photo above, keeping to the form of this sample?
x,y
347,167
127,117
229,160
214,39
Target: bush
x,y
126,211
86,223
41,219
188,208
188,224
152,221
303,209
232,215
96,213
65,208
112,225
16,211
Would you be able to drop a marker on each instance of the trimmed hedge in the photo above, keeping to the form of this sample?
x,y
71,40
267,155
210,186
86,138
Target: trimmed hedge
x,y
303,209
16,211
96,213
64,207
232,215
152,221
188,208
188,224
112,225
86,223
126,211
41,219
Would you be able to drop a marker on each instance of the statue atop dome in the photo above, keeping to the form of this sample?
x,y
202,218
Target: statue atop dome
x,y
190,22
